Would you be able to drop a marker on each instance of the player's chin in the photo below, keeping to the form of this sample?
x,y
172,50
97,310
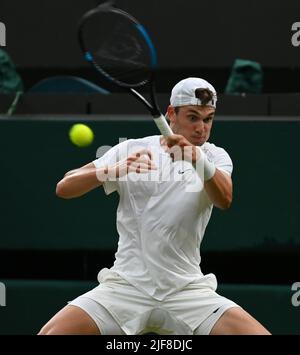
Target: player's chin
x,y
197,141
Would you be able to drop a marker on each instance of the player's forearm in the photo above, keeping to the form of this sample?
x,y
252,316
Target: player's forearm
x,y
219,190
78,183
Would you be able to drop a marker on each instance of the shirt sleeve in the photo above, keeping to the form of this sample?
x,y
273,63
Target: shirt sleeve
x,y
220,158
111,157
223,161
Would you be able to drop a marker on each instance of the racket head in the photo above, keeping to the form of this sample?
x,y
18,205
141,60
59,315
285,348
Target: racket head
x,y
118,46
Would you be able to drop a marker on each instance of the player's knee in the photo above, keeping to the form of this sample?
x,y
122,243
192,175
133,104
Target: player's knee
x,y
53,328
244,322
46,330
237,321
56,327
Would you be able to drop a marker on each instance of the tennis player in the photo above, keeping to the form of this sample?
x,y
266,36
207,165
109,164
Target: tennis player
x,y
167,187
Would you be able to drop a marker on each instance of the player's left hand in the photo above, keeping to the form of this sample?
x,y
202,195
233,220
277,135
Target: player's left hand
x,y
181,149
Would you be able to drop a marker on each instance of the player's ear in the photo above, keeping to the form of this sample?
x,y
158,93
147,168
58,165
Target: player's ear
x,y
170,113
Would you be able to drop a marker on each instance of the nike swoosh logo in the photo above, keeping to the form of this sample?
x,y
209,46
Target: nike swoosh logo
x,y
183,171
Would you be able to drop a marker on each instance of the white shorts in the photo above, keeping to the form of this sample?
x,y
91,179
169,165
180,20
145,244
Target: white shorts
x,y
119,308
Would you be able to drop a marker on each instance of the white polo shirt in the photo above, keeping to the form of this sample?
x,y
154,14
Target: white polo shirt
x,y
161,218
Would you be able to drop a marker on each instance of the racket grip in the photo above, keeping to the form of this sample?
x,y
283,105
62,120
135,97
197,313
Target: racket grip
x,y
163,126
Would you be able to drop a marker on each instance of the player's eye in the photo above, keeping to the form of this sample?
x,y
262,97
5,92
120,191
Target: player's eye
x,y
207,119
193,118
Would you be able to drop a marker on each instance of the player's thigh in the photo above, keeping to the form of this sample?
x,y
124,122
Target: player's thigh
x,y
71,320
236,321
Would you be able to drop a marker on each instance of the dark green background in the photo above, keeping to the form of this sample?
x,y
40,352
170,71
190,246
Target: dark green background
x,y
36,154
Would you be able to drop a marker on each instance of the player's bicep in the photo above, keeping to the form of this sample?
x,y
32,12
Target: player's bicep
x,y
73,171
226,176
78,182
87,175
226,172
86,167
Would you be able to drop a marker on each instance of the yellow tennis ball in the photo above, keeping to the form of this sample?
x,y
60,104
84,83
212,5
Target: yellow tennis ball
x,y
81,135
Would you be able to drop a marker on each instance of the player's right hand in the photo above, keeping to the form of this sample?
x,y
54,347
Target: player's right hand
x,y
139,162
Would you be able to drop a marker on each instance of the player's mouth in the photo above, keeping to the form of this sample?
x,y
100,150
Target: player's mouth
x,y
198,138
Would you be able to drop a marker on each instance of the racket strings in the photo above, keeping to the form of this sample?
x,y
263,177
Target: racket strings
x,y
121,47
118,49
123,76
122,73
119,67
114,61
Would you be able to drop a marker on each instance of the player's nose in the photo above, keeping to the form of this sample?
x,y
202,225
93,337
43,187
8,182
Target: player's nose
x,y
199,128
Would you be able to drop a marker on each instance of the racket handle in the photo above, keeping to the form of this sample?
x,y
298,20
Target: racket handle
x,y
163,126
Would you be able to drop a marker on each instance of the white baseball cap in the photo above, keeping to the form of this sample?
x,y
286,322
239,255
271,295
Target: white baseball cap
x,y
184,93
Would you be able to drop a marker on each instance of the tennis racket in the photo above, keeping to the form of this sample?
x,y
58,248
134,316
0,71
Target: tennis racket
x,y
120,49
